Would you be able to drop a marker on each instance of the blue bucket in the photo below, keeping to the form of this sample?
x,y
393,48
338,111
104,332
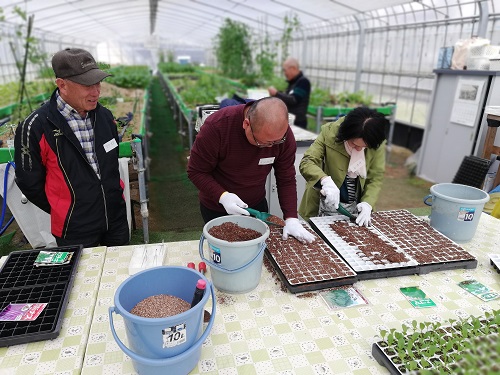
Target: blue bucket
x,y
162,345
235,267
456,209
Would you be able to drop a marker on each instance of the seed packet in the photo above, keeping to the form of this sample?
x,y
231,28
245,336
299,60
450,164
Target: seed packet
x,y
53,258
342,297
21,311
479,290
417,297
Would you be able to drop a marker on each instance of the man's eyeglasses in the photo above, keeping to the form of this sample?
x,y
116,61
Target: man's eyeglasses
x,y
265,144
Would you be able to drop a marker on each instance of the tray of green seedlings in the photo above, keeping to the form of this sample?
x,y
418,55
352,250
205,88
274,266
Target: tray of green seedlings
x,y
465,346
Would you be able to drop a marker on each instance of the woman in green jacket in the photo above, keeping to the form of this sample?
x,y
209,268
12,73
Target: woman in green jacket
x,y
345,164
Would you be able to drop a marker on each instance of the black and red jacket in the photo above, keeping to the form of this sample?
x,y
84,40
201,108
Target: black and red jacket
x,y
52,171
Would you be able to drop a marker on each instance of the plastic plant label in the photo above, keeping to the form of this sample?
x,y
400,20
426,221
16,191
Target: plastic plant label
x,y
173,336
466,214
417,297
342,297
21,311
53,258
479,290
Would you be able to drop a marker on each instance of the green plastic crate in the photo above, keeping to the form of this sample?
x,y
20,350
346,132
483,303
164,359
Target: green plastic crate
x,y
336,111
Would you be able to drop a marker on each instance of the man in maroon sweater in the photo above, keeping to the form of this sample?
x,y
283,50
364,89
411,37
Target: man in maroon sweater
x,y
232,155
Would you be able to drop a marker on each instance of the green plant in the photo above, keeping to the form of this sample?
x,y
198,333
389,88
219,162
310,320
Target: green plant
x,y
465,345
137,76
173,67
291,24
202,88
320,97
232,47
265,58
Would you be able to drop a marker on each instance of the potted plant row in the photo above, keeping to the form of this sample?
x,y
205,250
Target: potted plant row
x,y
463,346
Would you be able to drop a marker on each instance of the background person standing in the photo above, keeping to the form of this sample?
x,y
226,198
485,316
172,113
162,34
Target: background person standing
x,y
66,155
296,96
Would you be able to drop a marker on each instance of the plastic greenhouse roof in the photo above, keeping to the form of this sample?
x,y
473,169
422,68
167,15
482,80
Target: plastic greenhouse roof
x,y
188,22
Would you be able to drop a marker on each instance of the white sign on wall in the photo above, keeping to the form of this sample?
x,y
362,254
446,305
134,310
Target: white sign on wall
x,y
466,102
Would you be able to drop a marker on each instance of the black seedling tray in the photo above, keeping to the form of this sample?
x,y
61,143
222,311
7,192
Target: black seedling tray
x,y
495,261
22,282
312,286
383,360
445,266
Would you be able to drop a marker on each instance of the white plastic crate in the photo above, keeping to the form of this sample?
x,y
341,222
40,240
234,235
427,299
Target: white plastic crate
x,y
478,63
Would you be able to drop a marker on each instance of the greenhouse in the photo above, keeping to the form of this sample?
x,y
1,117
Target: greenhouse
x,y
249,187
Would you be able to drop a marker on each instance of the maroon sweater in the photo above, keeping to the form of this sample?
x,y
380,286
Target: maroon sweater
x,y
222,160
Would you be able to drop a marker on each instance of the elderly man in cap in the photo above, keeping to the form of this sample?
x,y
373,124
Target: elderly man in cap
x,y
66,155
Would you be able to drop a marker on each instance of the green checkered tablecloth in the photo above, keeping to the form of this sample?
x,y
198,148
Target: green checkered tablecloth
x,y
64,354
270,331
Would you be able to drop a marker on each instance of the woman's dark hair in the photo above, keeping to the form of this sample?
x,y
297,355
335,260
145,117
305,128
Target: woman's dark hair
x,y
365,123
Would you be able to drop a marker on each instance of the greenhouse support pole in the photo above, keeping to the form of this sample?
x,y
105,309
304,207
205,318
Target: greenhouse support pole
x,y
319,118
23,71
483,18
304,48
359,60
137,148
190,122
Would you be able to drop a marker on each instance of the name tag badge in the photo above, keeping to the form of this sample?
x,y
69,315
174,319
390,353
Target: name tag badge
x,y
110,145
266,161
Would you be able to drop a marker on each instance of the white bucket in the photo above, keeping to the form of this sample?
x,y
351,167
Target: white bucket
x,y
456,209
235,267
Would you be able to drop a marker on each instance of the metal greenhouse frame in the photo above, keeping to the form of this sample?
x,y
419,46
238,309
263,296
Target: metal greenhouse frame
x,y
388,50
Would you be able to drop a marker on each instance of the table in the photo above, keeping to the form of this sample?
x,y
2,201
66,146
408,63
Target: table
x,y
65,354
270,331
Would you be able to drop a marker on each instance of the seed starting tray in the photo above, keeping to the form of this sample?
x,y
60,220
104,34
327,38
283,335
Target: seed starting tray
x,y
352,252
425,248
306,267
23,282
495,261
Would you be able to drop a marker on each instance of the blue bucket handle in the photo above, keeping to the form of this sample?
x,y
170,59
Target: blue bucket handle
x,y
219,268
170,360
426,199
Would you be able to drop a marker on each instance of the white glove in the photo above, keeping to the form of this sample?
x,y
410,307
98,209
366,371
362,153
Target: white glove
x,y
233,204
365,214
331,192
295,229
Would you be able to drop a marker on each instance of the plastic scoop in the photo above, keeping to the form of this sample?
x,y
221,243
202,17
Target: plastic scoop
x,y
265,217
343,211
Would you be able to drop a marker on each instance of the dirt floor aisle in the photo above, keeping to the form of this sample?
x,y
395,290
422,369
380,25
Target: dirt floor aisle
x,y
173,199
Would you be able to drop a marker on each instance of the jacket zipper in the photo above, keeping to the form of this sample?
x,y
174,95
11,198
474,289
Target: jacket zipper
x,y
57,134
100,181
